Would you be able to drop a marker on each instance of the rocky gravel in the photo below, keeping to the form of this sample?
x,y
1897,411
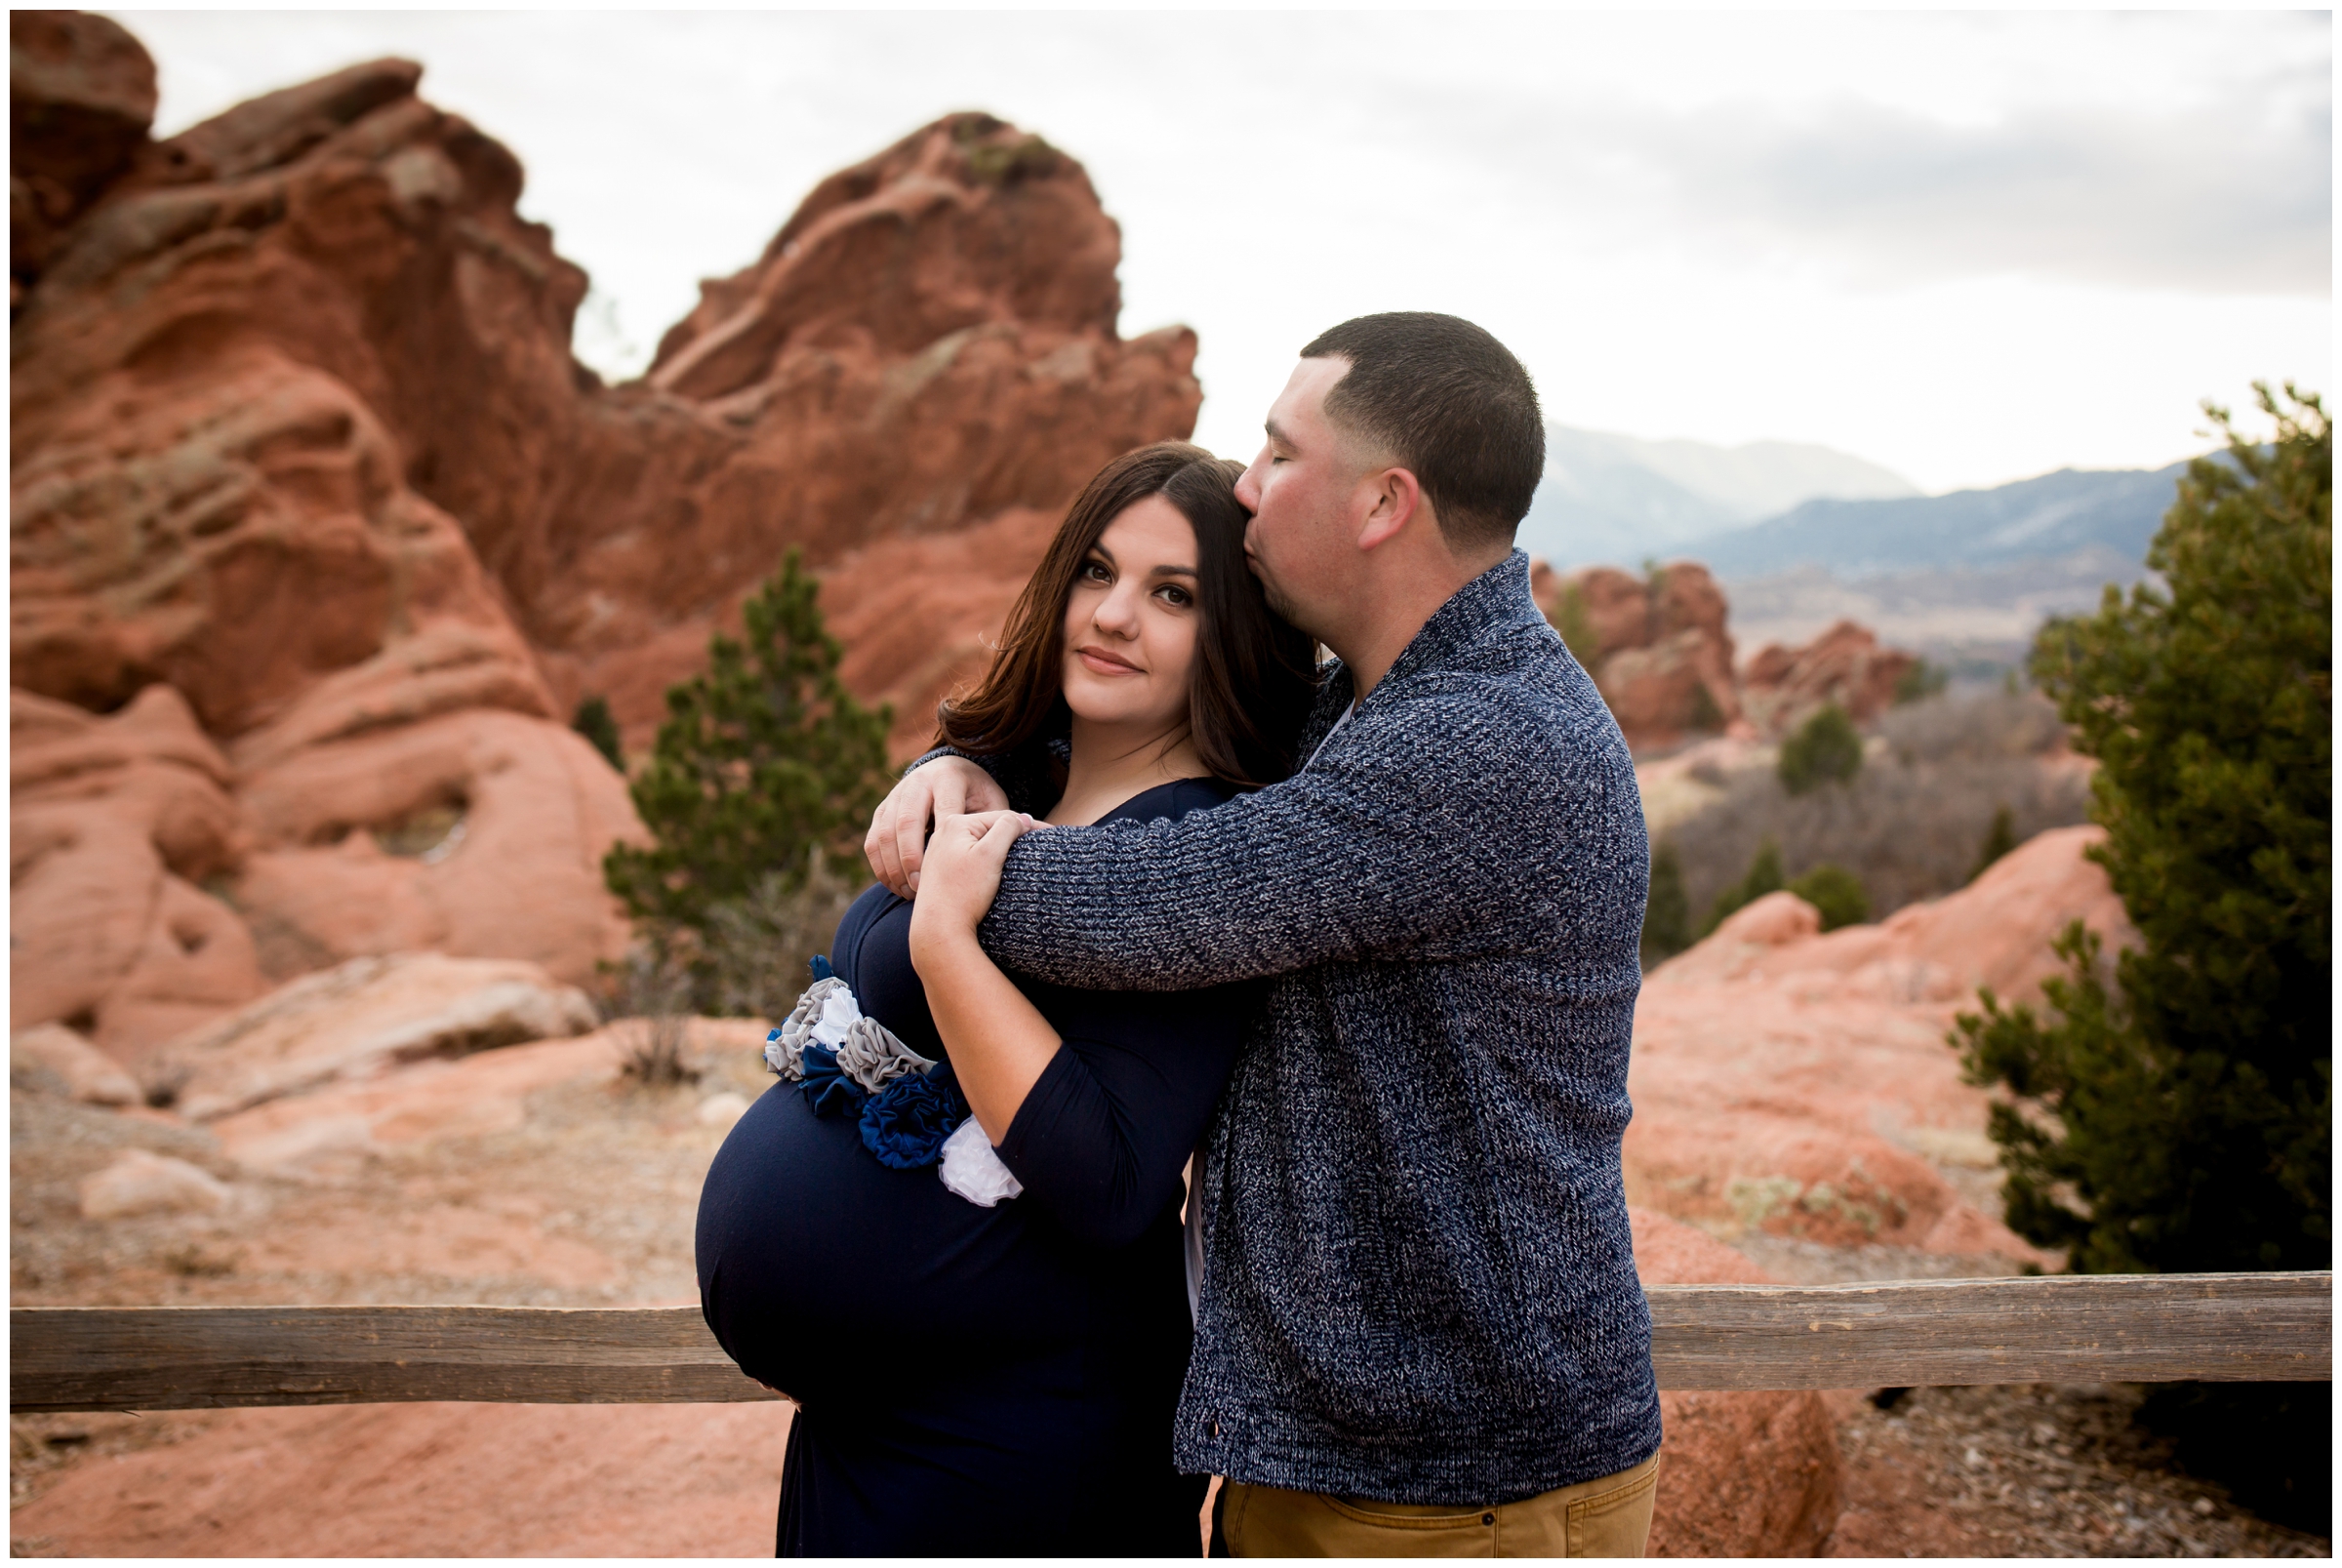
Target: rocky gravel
x,y
2032,1471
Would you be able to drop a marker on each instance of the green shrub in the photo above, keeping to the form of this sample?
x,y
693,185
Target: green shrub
x,y
1706,717
1836,892
1666,911
1764,876
2180,1117
1825,749
764,766
2189,1105
593,721
1998,840
1920,682
1572,621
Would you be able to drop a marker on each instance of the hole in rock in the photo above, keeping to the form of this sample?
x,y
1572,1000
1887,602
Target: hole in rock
x,y
429,834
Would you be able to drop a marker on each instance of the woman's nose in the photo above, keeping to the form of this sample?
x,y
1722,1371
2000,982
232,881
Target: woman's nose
x,y
1117,613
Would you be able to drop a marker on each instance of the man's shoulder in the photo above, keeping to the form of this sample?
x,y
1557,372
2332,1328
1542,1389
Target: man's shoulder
x,y
1521,695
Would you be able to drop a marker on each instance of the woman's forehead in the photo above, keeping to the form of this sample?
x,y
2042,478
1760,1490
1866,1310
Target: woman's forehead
x,y
1147,535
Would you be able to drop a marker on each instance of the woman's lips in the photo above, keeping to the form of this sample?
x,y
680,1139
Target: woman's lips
x,y
1102,663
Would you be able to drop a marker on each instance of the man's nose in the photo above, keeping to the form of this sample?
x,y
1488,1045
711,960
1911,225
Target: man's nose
x,y
1248,487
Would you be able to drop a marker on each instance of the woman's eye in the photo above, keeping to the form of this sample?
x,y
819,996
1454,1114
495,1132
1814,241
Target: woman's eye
x,y
1177,596
1095,572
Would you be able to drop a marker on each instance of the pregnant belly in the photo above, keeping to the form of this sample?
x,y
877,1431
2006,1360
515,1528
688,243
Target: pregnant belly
x,y
822,1272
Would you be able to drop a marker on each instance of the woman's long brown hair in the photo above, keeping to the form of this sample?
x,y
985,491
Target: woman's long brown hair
x,y
1254,673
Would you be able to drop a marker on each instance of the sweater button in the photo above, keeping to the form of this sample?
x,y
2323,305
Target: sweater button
x,y
1211,1428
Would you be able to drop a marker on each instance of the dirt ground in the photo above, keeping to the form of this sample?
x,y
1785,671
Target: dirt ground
x,y
2031,1471
591,1202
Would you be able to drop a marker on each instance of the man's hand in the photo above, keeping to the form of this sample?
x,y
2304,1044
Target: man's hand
x,y
948,786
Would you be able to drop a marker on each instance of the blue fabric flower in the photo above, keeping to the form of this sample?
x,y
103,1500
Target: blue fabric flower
x,y
821,969
906,1124
828,1090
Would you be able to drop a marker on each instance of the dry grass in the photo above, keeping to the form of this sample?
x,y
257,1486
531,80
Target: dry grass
x,y
1910,825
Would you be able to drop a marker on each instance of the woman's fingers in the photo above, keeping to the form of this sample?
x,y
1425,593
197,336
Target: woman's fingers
x,y
1004,828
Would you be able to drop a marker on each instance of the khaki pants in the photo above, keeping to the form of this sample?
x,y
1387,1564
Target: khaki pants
x,y
1609,1517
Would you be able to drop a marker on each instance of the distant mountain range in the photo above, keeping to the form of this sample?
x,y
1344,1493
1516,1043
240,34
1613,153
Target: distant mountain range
x,y
2057,515
1774,506
1615,499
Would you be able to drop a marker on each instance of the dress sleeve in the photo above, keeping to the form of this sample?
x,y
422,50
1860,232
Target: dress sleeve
x,y
1102,1137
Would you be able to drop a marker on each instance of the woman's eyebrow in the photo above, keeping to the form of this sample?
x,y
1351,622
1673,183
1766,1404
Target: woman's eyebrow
x,y
1173,571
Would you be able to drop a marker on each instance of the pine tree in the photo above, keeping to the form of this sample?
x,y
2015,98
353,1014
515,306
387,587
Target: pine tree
x,y
1825,749
593,720
2191,1105
1998,840
1836,893
1764,876
763,761
1666,910
2187,1109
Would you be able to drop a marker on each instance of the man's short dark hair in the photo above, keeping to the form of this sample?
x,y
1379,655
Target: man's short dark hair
x,y
1450,404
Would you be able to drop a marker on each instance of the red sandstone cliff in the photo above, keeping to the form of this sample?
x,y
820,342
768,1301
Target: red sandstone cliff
x,y
318,530
1660,652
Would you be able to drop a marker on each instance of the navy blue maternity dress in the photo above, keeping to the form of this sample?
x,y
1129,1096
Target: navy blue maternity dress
x,y
980,1382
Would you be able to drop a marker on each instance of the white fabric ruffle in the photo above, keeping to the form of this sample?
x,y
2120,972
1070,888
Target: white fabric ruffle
x,y
972,1167
827,1015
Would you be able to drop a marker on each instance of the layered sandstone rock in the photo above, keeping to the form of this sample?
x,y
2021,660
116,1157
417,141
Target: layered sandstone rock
x,y
925,352
328,1129
54,1059
80,97
1658,649
299,450
1799,1084
1845,664
1742,1474
117,826
140,1182
362,1020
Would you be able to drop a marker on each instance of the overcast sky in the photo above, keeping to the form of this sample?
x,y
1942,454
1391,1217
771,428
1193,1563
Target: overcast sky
x,y
1973,248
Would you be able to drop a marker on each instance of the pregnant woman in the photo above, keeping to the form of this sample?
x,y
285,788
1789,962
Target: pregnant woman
x,y
951,1233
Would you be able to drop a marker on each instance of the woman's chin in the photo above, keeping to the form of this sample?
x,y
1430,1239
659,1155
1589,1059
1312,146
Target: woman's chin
x,y
1118,716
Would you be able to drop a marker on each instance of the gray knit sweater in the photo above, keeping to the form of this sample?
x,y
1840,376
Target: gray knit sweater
x,y
1419,1285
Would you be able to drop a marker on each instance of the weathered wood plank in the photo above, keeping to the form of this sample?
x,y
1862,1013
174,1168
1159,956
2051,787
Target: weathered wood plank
x,y
202,1357
2103,1328
2086,1329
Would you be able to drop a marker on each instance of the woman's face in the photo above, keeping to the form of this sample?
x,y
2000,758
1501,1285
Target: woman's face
x,y
1131,622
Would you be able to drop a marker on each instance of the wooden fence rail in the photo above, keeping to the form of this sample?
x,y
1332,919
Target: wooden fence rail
x,y
2149,1328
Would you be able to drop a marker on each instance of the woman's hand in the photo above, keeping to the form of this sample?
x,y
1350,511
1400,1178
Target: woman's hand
x,y
960,873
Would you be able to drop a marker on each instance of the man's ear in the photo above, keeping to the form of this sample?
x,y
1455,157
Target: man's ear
x,y
1397,499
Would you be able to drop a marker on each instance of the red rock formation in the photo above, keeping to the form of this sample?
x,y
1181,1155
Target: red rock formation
x,y
80,97
1799,1085
1844,665
1658,650
116,825
1662,655
297,440
1717,1498
926,350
